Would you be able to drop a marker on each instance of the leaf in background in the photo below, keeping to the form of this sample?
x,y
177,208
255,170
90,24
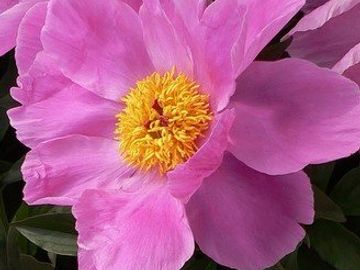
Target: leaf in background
x,y
335,244
211,266
13,175
347,193
276,267
325,208
320,174
52,232
309,260
4,166
4,123
290,262
29,263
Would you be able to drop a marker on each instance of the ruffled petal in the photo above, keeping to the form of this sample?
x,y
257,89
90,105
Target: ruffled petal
x,y
291,113
186,178
326,45
72,110
43,80
9,23
28,42
164,43
144,230
97,44
244,219
59,171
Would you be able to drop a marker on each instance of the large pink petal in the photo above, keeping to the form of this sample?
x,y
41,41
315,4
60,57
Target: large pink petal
x,y
73,110
219,29
292,113
262,21
98,44
248,220
9,23
326,45
166,47
28,42
144,230
186,178
58,171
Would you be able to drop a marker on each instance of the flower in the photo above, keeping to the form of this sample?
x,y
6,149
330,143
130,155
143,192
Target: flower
x,y
133,119
329,36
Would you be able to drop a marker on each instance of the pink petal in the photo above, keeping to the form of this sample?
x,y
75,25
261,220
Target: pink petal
x,y
313,4
9,23
43,80
323,14
97,44
219,28
72,110
28,42
6,4
353,73
135,4
262,21
350,59
58,171
186,178
232,33
291,113
248,220
143,230
165,46
326,45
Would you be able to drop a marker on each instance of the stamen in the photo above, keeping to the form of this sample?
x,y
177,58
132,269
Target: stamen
x,y
164,117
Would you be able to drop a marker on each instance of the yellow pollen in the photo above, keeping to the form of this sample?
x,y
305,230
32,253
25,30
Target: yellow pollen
x,y
164,117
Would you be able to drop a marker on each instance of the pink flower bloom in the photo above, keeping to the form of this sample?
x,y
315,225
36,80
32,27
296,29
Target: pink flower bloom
x,y
330,37
197,160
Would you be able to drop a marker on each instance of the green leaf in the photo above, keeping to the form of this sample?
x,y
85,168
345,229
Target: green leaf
x,y
276,267
320,174
325,208
309,260
211,266
52,232
347,193
4,123
335,244
13,175
30,263
290,262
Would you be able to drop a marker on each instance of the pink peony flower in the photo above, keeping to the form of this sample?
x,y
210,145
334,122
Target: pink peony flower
x,y
132,117
330,37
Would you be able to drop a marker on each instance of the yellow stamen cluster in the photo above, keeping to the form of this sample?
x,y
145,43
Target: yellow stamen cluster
x,y
163,118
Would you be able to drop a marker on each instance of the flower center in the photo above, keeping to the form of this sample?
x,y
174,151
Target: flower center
x,y
163,118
